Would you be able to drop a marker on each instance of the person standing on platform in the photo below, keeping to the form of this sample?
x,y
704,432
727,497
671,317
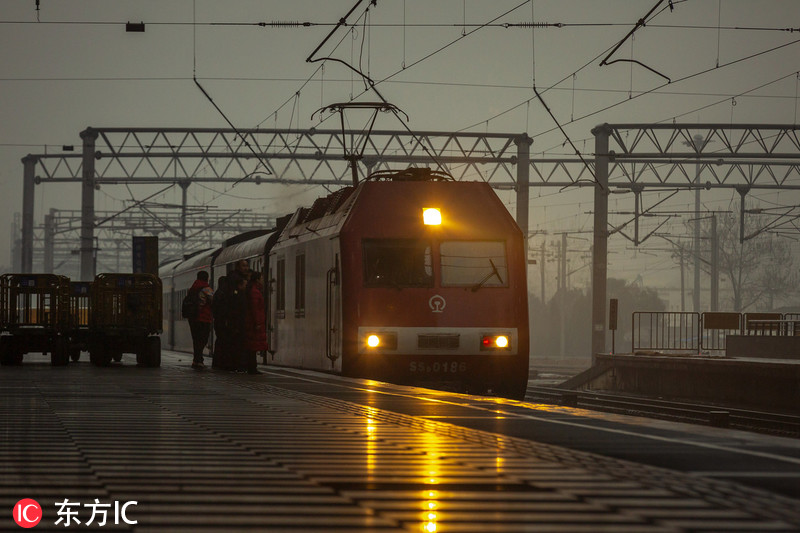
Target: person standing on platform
x,y
255,334
237,315
241,270
222,327
200,323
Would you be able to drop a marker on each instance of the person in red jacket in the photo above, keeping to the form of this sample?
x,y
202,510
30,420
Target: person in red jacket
x,y
255,330
200,325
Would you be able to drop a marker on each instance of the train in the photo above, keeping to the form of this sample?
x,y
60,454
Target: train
x,y
409,277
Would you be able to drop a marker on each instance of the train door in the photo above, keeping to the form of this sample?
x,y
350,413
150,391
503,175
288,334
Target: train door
x,y
276,297
333,322
171,317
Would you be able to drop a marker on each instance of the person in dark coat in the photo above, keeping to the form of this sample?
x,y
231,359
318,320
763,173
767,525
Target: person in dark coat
x,y
200,325
237,315
255,333
222,327
241,270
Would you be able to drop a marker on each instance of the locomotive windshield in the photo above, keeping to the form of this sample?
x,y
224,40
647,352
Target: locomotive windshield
x,y
397,263
474,264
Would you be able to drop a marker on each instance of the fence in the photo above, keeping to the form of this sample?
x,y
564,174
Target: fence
x,y
665,331
699,333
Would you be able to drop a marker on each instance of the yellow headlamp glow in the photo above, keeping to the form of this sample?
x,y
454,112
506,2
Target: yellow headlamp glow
x,y
431,216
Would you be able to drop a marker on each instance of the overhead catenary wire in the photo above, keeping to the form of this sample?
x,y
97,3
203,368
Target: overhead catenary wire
x,y
643,93
283,24
725,98
241,136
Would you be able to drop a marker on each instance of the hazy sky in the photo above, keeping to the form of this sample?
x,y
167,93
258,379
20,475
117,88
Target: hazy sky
x,y
71,65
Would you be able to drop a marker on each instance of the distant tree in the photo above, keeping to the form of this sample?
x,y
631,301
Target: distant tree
x,y
760,270
546,324
546,319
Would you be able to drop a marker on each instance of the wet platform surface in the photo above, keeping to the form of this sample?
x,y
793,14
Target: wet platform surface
x,y
299,451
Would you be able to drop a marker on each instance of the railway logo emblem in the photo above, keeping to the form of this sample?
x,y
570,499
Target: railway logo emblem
x,y
437,303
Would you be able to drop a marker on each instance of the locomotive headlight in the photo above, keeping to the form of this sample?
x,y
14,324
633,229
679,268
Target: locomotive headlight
x,y
431,216
380,341
495,342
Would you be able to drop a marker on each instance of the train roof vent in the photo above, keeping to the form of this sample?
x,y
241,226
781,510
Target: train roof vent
x,y
325,206
411,174
302,214
317,209
338,198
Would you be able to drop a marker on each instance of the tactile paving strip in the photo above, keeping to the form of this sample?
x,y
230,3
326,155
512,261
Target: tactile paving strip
x,y
214,451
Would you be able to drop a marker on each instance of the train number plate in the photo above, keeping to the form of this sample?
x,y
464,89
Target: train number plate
x,y
437,367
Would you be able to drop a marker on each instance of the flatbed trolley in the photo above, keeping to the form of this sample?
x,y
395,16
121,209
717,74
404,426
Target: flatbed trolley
x,y
78,325
33,317
125,318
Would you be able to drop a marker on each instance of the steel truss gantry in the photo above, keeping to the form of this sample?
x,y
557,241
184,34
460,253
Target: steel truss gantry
x,y
178,231
631,157
182,156
743,157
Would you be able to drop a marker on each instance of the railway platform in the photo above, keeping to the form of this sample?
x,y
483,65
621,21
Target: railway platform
x,y
747,382
175,449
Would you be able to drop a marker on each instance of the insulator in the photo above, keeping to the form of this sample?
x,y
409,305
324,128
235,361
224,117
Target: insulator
x,y
284,24
534,25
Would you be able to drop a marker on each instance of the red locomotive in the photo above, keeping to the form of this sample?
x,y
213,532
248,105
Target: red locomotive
x,y
409,277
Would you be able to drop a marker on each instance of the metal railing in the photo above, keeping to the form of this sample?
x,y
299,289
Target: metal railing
x,y
682,332
659,330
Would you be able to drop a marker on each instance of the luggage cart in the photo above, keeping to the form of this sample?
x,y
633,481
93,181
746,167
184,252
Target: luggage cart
x,y
33,317
78,325
125,318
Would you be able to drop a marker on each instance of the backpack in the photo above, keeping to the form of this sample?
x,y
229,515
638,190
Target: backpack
x,y
190,307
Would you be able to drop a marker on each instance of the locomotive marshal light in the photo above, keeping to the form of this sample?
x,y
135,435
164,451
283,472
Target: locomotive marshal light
x,y
431,216
373,341
494,342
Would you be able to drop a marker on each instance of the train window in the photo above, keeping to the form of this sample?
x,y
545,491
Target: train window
x,y
474,264
300,286
280,297
397,263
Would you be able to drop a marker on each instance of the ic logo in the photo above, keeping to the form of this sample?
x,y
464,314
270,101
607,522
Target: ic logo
x,y
27,513
437,303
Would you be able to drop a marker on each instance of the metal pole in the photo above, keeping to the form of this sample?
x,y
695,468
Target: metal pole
x,y
714,265
683,286
16,243
523,143
49,237
28,182
698,144
600,244
541,270
562,279
89,137
742,190
184,186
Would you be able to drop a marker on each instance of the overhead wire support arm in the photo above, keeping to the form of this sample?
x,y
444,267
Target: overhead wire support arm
x,y
575,148
342,22
639,24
